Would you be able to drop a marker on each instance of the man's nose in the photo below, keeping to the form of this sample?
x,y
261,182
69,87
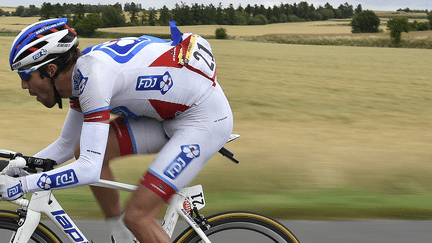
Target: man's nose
x,y
24,84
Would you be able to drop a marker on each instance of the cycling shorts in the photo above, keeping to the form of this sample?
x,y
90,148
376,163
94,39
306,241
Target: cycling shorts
x,y
184,144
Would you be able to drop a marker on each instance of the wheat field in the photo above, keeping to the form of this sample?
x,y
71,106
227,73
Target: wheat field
x,y
312,118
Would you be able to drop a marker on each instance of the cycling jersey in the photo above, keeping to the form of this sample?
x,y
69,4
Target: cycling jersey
x,y
170,83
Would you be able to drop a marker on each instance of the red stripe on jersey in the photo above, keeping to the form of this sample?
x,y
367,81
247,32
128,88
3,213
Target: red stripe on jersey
x,y
74,104
98,116
168,59
203,74
167,110
171,57
123,137
158,186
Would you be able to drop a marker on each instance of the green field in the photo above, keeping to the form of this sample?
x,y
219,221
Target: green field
x,y
328,132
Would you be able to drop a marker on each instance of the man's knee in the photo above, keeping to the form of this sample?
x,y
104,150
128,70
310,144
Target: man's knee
x,y
143,208
131,218
135,218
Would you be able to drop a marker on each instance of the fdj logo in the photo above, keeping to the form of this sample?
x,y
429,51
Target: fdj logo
x,y
39,54
188,153
15,190
156,82
65,222
61,179
79,82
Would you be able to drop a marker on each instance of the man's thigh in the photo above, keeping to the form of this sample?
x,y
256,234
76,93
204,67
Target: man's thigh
x,y
142,135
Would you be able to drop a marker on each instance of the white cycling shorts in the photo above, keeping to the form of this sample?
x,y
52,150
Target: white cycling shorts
x,y
184,144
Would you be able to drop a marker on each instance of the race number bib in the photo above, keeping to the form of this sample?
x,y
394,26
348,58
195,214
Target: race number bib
x,y
199,56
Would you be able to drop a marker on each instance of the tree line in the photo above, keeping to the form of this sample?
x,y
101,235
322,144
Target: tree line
x,y
86,18
195,14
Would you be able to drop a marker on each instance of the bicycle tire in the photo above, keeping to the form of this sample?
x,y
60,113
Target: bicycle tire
x,y
244,222
9,225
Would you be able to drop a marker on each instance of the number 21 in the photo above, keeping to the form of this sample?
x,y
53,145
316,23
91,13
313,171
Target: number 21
x,y
197,55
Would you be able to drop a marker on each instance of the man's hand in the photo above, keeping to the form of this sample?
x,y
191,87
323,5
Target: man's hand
x,y
10,188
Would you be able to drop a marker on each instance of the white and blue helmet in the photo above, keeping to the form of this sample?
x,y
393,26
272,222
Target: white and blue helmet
x,y
47,38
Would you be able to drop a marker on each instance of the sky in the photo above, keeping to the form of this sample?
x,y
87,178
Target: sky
x,y
390,5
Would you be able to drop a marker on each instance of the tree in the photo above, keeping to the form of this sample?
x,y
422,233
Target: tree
x,y
365,22
303,10
346,10
396,26
58,10
221,33
134,10
220,15
19,11
230,15
26,13
88,25
358,9
210,14
259,19
33,10
152,17
79,14
249,9
326,13
112,16
164,16
47,11
429,16
144,17
182,14
328,6
197,13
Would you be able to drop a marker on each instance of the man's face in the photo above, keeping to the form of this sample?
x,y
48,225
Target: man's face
x,y
40,87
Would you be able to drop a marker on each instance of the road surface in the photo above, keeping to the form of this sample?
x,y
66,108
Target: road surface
x,y
371,231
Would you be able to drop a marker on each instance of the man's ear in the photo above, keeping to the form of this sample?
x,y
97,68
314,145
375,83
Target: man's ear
x,y
52,69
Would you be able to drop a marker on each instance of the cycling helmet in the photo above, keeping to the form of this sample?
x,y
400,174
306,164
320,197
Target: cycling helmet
x,y
47,38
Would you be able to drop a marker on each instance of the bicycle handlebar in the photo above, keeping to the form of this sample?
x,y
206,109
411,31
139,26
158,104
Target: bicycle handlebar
x,y
31,162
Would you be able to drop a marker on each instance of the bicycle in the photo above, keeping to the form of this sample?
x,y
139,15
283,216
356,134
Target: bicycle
x,y
24,225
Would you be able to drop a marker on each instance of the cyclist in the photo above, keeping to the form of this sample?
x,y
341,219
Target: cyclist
x,y
166,98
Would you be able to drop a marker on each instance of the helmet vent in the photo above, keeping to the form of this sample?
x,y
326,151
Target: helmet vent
x,y
68,38
29,52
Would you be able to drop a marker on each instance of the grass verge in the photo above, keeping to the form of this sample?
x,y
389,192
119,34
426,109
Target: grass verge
x,y
364,40
328,204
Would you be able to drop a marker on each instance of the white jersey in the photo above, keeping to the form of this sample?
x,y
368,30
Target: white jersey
x,y
173,82
143,76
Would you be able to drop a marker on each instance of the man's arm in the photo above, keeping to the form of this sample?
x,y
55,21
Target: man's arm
x,y
85,170
63,148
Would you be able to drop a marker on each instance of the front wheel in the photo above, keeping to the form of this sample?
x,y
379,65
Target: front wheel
x,y
240,227
9,225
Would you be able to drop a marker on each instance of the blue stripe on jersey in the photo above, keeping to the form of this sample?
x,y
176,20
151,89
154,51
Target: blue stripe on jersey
x,y
96,110
131,135
127,49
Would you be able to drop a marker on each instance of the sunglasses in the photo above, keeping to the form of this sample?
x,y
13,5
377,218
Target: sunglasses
x,y
25,74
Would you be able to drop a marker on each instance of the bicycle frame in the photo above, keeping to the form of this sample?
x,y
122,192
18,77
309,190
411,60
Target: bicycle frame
x,y
45,202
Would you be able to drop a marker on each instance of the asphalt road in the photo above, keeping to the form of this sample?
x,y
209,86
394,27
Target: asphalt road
x,y
371,231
